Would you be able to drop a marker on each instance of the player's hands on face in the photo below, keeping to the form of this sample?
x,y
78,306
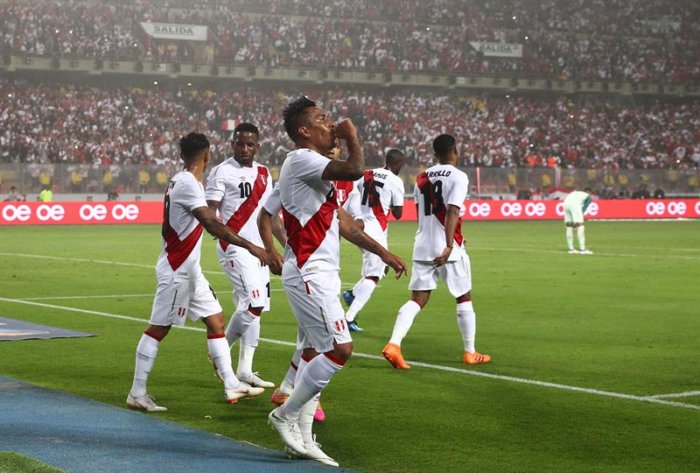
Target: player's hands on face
x,y
442,259
334,153
345,130
275,262
396,264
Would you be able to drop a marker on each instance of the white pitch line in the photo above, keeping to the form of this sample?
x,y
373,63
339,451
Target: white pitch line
x,y
595,253
101,261
675,395
104,296
512,379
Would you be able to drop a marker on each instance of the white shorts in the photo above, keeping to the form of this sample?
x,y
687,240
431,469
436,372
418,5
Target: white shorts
x,y
456,274
316,305
250,279
372,265
179,297
573,214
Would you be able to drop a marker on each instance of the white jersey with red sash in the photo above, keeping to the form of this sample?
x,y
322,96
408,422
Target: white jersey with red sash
x,y
380,190
436,188
309,209
242,192
181,231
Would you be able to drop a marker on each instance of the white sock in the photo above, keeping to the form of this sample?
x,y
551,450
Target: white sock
x,y
245,360
300,369
288,381
362,291
146,352
314,377
306,419
466,321
246,349
221,356
239,323
581,234
570,238
404,320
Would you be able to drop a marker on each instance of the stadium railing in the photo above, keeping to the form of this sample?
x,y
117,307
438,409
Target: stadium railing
x,y
97,181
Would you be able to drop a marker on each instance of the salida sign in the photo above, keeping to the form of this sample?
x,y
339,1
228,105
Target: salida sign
x,y
56,213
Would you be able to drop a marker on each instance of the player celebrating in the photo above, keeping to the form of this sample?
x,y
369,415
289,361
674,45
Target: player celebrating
x,y
183,291
348,200
238,187
575,204
313,223
382,191
438,251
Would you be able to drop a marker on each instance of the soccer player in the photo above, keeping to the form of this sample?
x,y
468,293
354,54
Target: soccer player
x,y
438,252
183,291
575,204
382,192
313,222
348,200
237,188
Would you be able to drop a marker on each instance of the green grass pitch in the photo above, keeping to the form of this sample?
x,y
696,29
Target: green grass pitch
x,y
625,320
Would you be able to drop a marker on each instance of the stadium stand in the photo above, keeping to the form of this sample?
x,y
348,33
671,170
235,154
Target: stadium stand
x,y
640,42
554,96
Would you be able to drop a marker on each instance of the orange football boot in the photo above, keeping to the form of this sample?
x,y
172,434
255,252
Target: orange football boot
x,y
278,397
392,353
476,358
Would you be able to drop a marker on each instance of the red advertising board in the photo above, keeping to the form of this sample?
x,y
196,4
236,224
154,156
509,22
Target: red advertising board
x,y
57,213
554,209
78,213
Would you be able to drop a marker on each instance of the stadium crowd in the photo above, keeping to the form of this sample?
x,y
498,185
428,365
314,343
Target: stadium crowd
x,y
80,124
643,41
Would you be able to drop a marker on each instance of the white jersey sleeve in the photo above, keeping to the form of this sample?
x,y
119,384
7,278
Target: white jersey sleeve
x,y
352,204
397,192
188,193
216,184
273,204
457,191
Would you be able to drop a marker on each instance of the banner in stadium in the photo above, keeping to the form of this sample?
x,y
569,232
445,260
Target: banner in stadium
x,y
175,31
79,213
498,49
554,209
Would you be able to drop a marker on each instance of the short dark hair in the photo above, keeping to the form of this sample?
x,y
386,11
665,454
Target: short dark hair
x,y
443,144
394,155
192,144
293,114
245,126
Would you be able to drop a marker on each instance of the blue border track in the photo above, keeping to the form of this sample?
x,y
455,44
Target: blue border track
x,y
82,435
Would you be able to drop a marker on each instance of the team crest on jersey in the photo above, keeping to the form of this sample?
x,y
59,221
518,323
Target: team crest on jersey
x,y
342,196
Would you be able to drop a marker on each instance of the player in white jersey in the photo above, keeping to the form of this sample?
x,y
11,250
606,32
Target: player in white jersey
x,y
382,192
439,252
349,200
183,291
237,188
313,222
575,204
